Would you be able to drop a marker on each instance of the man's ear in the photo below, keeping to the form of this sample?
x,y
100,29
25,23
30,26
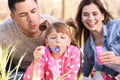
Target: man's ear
x,y
12,16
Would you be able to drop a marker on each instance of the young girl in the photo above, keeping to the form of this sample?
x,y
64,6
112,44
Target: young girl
x,y
59,59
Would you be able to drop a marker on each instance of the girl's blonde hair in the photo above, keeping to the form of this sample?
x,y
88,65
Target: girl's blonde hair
x,y
68,28
64,28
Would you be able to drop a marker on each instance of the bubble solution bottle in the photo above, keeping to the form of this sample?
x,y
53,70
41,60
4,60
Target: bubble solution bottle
x,y
99,51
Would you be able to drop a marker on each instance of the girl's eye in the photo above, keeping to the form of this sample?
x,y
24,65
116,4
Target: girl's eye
x,y
53,37
63,37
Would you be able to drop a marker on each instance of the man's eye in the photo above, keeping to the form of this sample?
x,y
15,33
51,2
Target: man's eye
x,y
22,15
34,10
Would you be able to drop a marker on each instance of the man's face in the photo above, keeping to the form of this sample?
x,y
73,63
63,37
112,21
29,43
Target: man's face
x,y
27,16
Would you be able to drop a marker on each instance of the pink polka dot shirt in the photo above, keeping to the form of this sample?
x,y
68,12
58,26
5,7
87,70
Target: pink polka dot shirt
x,y
50,68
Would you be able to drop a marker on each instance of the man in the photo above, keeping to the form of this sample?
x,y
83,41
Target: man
x,y
23,30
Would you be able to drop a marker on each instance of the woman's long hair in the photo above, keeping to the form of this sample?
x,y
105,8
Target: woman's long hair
x,y
83,32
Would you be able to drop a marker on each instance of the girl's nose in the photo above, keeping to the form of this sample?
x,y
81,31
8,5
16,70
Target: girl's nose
x,y
58,40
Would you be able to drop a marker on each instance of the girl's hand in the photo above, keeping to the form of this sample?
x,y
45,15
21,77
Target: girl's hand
x,y
62,77
109,57
38,52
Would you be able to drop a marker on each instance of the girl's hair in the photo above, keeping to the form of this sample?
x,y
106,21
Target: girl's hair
x,y
83,31
65,29
61,27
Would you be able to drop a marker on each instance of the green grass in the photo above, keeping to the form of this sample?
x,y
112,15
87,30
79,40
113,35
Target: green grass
x,y
6,55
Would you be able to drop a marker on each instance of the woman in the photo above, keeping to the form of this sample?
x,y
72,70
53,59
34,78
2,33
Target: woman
x,y
98,29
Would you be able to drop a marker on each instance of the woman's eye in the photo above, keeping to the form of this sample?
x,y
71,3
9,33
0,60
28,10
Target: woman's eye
x,y
85,14
94,13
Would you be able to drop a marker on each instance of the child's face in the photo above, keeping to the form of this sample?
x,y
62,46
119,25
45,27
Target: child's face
x,y
60,40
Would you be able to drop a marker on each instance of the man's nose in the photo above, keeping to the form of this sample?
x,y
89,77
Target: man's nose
x,y
29,17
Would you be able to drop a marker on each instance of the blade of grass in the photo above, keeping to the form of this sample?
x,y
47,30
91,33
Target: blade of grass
x,y
7,54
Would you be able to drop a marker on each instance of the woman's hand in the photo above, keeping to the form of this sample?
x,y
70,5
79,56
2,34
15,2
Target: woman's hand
x,y
109,57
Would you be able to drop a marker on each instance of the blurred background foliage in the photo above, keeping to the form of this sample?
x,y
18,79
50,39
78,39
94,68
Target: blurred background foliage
x,y
62,9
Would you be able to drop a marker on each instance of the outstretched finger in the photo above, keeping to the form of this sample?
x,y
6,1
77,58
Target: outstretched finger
x,y
64,75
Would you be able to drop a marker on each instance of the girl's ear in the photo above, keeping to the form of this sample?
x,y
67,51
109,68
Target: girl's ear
x,y
69,42
46,42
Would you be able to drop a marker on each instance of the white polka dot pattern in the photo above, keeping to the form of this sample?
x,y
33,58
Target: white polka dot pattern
x,y
47,73
68,64
69,61
46,59
28,76
39,71
77,59
72,66
69,76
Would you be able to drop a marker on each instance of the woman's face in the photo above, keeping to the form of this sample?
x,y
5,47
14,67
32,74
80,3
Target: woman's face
x,y
92,17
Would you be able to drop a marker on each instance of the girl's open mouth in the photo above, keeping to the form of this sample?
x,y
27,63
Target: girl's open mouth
x,y
56,49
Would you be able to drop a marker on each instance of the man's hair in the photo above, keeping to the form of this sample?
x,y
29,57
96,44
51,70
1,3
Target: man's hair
x,y
11,4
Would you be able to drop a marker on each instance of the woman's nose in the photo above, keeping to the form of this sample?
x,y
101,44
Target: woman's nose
x,y
90,17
